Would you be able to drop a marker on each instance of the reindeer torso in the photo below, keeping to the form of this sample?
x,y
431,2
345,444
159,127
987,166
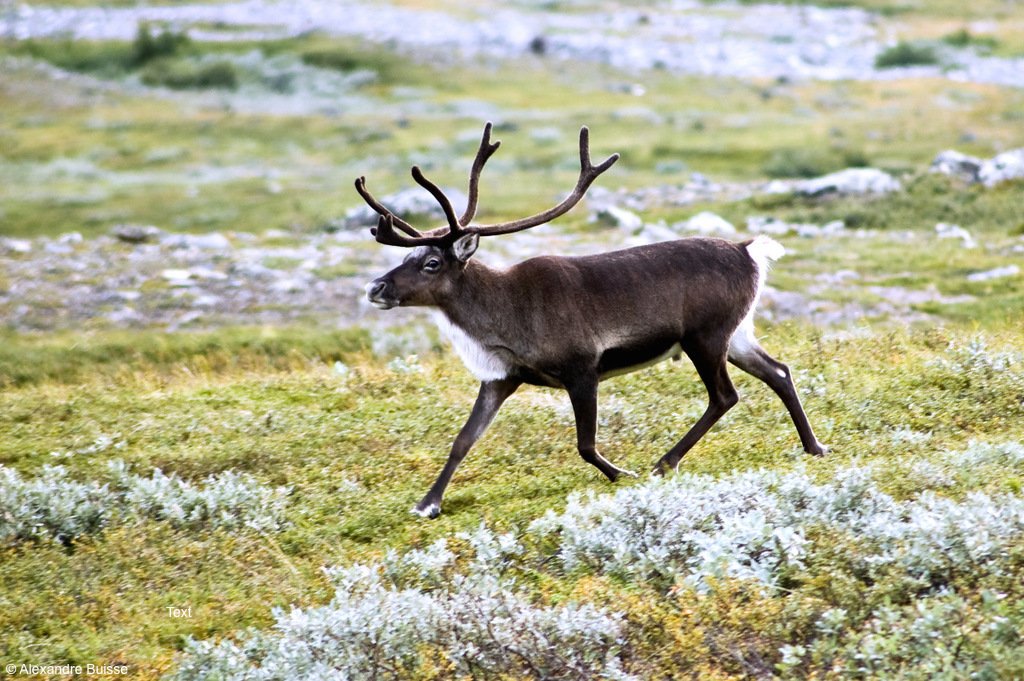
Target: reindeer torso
x,y
550,314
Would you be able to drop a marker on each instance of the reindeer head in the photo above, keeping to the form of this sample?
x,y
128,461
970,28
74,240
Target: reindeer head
x,y
440,255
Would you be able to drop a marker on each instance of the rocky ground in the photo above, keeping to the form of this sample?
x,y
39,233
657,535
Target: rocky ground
x,y
749,41
139,276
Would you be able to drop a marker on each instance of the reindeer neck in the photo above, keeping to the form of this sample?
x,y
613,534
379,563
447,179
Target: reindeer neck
x,y
477,301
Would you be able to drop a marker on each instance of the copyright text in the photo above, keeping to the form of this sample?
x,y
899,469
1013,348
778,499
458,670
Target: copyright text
x,y
66,669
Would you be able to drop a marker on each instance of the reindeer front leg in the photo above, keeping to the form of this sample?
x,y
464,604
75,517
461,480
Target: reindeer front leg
x,y
583,395
490,398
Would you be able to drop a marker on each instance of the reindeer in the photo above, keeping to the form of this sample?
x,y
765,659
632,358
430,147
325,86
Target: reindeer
x,y
571,322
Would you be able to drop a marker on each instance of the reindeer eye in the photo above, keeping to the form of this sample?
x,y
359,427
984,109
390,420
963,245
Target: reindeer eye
x,y
432,264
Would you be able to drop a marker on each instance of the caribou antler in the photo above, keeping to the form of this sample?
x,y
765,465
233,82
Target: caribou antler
x,y
482,154
588,173
459,226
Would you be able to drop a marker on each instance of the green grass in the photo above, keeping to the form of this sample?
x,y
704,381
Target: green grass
x,y
360,450
27,359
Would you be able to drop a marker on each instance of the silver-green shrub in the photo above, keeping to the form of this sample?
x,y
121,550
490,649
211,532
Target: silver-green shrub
x,y
756,525
52,505
387,619
227,499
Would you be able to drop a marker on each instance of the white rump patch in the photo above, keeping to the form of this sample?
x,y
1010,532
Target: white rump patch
x,y
763,250
481,362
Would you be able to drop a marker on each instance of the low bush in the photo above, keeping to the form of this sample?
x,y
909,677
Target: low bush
x,y
423,615
191,75
752,574
388,66
812,162
54,506
906,54
964,38
148,47
107,59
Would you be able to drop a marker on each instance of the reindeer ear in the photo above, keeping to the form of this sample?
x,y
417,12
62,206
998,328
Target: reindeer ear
x,y
465,246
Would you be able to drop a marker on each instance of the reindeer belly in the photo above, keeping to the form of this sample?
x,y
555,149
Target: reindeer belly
x,y
626,358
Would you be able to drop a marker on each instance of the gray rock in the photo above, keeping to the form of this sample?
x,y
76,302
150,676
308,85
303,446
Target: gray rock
x,y
944,230
956,164
16,245
178,277
996,273
54,247
290,285
759,224
1008,165
707,222
850,182
214,241
136,234
654,232
613,216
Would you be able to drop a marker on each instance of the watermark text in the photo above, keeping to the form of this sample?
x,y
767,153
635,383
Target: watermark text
x,y
66,669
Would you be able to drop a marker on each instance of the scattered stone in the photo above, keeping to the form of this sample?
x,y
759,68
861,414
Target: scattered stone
x,y
655,232
613,216
944,230
777,187
16,245
850,182
838,277
706,222
206,300
1008,165
125,316
207,273
997,273
136,234
214,241
70,238
56,247
956,164
177,277
757,224
289,285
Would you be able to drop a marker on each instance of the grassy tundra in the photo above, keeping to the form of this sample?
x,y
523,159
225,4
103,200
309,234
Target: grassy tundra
x,y
219,468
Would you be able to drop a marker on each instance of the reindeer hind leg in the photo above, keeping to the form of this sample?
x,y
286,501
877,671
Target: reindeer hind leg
x,y
746,353
709,360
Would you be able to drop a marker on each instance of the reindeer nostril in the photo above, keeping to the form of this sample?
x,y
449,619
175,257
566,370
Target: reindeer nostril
x,y
375,288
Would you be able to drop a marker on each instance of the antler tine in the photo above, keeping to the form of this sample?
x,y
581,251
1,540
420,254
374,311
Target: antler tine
x,y
588,173
382,210
385,234
482,155
454,228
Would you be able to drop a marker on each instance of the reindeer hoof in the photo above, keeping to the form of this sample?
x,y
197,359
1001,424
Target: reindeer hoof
x,y
660,470
428,511
821,450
